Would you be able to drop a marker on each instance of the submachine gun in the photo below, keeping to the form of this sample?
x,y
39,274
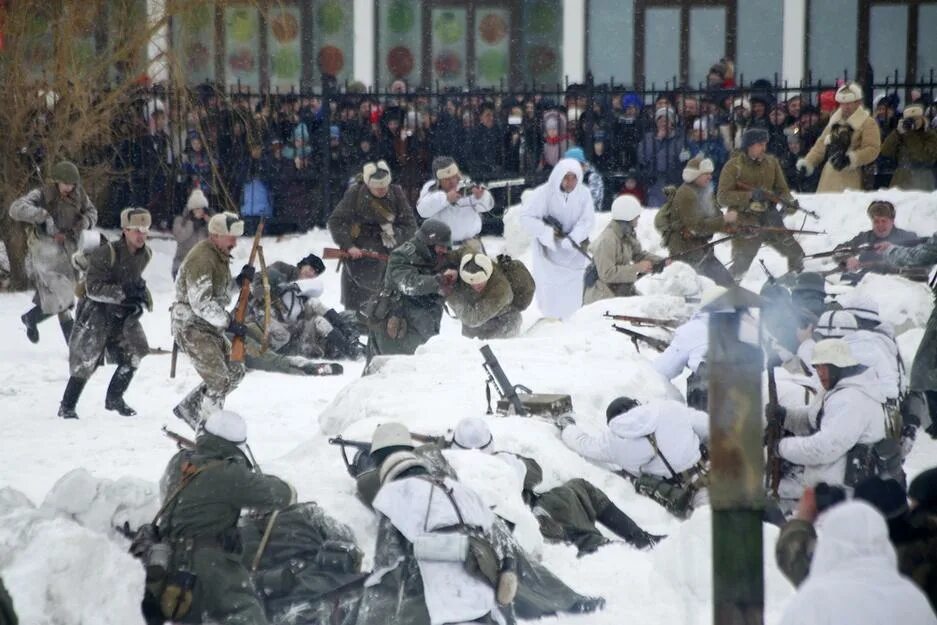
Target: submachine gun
x,y
518,399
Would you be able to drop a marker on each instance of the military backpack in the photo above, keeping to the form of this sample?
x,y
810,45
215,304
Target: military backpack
x,y
522,283
663,220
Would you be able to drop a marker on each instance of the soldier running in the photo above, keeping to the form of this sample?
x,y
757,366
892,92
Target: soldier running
x,y
751,167
200,318
59,212
108,315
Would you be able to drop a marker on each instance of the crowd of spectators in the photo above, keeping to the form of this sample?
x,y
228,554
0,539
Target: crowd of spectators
x,y
290,157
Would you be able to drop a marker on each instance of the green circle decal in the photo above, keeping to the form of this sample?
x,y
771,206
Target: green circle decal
x,y
242,26
492,65
448,28
286,63
400,16
331,16
542,17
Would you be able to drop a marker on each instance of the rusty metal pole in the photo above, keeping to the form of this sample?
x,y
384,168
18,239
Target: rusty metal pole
x,y
736,489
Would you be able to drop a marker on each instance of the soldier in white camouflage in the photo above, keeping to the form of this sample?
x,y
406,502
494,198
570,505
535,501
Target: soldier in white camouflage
x,y
59,212
108,315
200,318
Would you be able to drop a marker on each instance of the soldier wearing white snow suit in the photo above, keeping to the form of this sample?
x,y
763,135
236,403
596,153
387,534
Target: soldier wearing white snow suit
x,y
442,199
59,212
108,315
200,318
558,265
657,444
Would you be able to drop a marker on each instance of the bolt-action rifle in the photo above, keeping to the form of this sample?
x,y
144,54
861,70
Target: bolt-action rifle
x,y
649,322
658,344
240,311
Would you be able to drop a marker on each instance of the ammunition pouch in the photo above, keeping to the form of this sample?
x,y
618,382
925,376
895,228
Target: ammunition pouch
x,y
396,327
336,556
676,498
176,600
882,459
893,419
382,314
482,560
156,555
275,582
591,276
441,547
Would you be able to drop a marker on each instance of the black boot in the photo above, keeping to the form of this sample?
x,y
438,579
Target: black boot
x,y
189,408
622,525
66,323
70,398
115,391
31,320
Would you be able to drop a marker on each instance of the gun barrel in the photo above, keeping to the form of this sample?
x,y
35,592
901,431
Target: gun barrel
x,y
500,379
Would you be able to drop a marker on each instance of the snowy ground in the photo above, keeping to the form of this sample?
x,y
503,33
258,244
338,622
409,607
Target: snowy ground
x,y
63,565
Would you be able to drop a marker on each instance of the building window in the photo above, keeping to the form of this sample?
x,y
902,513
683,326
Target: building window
x,y
610,46
883,26
476,43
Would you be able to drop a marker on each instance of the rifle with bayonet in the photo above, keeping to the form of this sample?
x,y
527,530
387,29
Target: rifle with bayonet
x,y
636,337
333,253
777,199
649,322
523,405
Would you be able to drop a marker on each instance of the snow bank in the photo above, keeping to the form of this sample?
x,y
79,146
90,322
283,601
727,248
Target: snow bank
x,y
60,573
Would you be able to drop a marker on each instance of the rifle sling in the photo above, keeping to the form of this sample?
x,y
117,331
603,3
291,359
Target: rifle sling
x,y
673,474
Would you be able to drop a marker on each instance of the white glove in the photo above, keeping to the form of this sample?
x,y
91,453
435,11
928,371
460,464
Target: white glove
x,y
684,155
804,166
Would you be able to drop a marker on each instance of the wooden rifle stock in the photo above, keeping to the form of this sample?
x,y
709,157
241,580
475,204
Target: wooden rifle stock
x,y
240,312
333,253
644,321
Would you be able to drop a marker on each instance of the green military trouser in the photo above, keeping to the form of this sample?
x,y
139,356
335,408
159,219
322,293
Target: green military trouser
x,y
745,248
794,550
575,506
210,354
224,592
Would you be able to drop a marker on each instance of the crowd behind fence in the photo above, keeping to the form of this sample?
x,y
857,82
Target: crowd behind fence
x,y
290,157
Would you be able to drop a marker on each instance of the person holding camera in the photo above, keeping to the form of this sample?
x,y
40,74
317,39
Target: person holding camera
x,y
444,198
914,146
108,315
855,127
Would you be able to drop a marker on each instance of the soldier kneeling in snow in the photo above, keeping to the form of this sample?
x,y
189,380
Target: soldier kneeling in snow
x,y
489,297
108,315
657,445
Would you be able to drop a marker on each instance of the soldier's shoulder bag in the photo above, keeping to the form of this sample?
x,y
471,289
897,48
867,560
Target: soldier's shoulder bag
x,y
339,556
521,281
882,459
675,498
663,220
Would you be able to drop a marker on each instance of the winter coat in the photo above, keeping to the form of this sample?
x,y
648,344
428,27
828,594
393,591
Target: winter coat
x,y
695,219
357,222
852,413
203,289
593,179
463,217
255,199
489,314
916,153
416,508
924,367
616,253
863,149
764,173
897,236
48,263
687,348
103,319
207,511
187,232
878,352
853,577
413,283
558,266
678,429
661,161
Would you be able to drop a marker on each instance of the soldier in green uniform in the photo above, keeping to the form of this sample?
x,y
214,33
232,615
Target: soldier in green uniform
x,y
59,211
201,525
108,315
416,284
694,219
753,167
374,215
485,300
924,367
200,318
914,145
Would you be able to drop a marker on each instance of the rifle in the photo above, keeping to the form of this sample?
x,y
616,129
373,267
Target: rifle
x,y
365,448
332,253
181,441
240,311
467,184
530,404
777,199
773,432
754,230
175,359
701,248
854,250
658,344
771,279
650,322
554,223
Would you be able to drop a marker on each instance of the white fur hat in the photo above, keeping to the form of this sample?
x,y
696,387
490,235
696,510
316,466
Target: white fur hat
x,y
483,274
227,425
696,167
850,92
834,352
912,111
226,224
196,199
473,433
626,208
376,175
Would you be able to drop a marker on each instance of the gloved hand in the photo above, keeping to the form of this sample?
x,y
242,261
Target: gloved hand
x,y
237,329
759,195
775,413
804,167
134,290
564,421
247,274
684,155
839,161
507,587
791,207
